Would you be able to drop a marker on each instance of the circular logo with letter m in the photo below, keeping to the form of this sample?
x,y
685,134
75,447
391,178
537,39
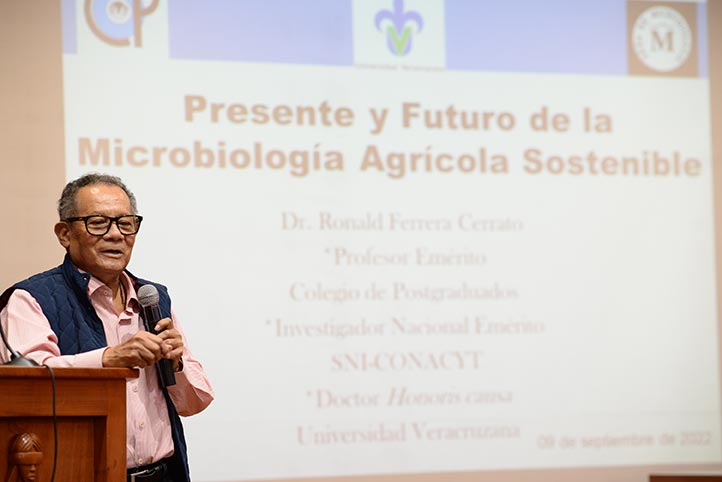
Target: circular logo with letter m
x,y
662,39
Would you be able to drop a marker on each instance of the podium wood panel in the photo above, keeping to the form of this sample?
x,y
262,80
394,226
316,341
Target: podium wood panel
x,y
90,407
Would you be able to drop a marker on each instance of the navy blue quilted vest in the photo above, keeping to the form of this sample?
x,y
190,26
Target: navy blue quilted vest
x,y
62,293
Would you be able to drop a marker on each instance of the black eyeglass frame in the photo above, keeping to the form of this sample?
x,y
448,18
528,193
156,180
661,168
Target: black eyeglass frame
x,y
111,220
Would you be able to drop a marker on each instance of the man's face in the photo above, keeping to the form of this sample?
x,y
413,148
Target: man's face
x,y
28,473
105,257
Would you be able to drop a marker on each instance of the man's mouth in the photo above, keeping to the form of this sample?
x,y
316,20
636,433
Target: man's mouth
x,y
112,252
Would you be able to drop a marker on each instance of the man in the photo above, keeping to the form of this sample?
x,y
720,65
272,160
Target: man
x,y
86,313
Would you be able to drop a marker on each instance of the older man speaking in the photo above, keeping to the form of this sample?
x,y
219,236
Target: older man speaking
x,y
86,313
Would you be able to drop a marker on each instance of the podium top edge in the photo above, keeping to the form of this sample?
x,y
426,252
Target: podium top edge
x,y
67,373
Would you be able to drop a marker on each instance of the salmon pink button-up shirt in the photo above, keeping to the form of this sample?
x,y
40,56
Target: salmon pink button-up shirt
x,y
148,426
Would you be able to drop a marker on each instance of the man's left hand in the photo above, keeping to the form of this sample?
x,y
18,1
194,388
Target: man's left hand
x,y
172,341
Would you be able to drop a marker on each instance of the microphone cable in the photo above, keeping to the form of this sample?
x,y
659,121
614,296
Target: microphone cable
x,y
55,422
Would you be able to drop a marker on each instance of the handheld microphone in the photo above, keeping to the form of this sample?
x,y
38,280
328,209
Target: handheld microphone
x,y
149,297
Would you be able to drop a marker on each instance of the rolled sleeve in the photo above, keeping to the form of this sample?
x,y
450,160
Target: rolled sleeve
x,y
192,392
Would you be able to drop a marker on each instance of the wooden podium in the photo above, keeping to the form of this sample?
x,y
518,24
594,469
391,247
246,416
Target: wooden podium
x,y
90,407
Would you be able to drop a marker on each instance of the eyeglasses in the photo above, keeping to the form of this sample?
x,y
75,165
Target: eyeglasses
x,y
97,225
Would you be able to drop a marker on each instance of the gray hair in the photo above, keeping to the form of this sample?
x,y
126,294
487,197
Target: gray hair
x,y
67,206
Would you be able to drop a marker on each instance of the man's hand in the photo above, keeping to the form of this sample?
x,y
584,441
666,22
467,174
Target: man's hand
x,y
172,339
146,348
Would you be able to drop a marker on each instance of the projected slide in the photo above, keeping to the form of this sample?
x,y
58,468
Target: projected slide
x,y
418,236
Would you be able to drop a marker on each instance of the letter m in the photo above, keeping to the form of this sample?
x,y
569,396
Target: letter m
x,y
93,156
660,42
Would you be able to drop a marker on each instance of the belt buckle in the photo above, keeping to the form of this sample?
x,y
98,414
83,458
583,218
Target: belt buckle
x,y
141,475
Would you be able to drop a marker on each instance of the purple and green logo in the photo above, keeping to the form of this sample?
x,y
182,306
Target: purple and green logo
x,y
399,27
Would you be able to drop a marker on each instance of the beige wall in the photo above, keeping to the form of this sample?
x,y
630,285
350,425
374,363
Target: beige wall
x,y
715,44
31,136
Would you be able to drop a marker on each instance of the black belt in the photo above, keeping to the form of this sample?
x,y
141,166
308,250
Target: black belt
x,y
148,473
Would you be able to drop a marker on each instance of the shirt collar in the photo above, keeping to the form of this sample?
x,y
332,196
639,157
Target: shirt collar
x,y
131,296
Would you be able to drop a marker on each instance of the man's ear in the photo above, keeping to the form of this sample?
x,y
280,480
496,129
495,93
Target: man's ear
x,y
62,231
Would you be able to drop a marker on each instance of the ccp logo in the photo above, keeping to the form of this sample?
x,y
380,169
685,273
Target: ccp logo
x,y
116,21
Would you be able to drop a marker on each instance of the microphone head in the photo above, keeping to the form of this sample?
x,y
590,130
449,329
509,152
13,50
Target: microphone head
x,y
148,296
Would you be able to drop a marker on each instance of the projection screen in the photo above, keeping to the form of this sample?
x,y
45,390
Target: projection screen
x,y
441,240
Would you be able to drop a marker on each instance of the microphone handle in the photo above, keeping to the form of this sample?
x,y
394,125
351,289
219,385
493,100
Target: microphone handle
x,y
167,375
151,316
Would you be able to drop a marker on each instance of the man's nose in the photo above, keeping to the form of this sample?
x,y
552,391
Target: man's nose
x,y
114,231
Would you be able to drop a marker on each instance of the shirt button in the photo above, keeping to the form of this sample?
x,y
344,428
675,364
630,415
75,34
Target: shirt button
x,y
135,389
141,424
140,461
